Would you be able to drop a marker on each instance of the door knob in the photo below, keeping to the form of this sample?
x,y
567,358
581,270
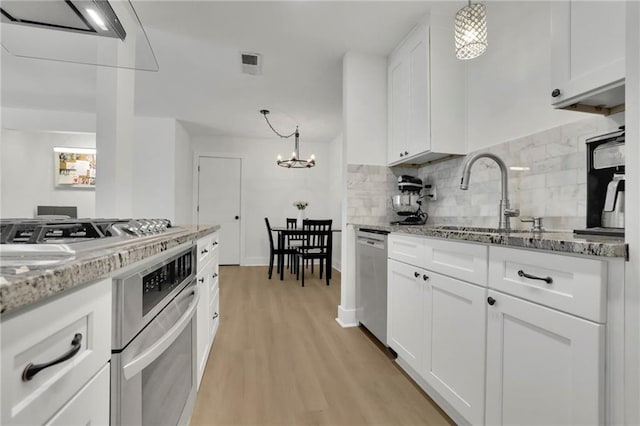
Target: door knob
x,y
491,301
237,217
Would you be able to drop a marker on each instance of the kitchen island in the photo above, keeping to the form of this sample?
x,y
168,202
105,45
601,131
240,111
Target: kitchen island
x,y
28,284
83,322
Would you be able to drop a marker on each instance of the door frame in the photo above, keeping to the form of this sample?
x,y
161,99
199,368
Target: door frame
x,y
196,191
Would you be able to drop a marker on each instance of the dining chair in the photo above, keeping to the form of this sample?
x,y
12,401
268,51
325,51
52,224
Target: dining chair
x,y
293,241
273,252
316,246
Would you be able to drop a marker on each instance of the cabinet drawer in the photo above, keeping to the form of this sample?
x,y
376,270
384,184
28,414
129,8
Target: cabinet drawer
x,y
44,333
205,249
90,406
407,249
459,260
576,285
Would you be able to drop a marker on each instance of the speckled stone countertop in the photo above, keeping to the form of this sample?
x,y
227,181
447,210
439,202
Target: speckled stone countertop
x,y
40,282
557,241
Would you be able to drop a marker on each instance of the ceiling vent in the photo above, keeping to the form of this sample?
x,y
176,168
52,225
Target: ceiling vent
x,y
251,63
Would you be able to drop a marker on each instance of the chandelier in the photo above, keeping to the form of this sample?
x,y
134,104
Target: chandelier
x,y
471,31
294,161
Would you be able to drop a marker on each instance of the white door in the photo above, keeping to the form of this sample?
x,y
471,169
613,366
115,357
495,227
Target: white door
x,y
405,312
219,202
454,344
544,367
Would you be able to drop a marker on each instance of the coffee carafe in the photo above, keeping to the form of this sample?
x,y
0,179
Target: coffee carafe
x,y
613,210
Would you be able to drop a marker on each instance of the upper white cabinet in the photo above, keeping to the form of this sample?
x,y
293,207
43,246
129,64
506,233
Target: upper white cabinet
x,y
426,96
587,54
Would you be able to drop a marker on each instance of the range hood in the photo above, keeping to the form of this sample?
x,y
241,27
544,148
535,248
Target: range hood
x,y
95,32
82,16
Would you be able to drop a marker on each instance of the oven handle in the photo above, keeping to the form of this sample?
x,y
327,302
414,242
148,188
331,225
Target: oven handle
x,y
156,349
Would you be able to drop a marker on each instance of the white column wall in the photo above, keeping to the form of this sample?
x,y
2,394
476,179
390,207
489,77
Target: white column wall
x,y
183,198
364,117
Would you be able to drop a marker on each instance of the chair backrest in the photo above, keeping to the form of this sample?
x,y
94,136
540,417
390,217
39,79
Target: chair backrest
x,y
292,223
266,220
321,230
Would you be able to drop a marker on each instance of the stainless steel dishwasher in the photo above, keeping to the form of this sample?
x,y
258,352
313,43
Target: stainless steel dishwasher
x,y
371,281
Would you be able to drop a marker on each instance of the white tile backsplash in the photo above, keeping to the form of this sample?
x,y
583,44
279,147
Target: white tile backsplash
x,y
554,187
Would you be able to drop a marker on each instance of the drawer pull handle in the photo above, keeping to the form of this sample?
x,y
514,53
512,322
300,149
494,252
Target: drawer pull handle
x,y
215,315
425,277
204,251
547,280
416,274
214,275
215,243
32,369
201,280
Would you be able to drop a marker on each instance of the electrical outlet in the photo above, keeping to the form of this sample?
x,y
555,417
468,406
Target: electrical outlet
x,y
430,192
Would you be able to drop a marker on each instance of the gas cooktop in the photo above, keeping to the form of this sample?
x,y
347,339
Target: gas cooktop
x,y
65,237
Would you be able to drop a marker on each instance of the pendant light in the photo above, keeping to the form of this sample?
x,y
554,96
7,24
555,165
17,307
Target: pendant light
x,y
294,161
471,31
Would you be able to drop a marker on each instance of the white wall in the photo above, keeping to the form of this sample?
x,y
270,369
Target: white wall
x,y
268,190
183,199
153,168
509,86
335,196
364,108
364,120
47,120
27,169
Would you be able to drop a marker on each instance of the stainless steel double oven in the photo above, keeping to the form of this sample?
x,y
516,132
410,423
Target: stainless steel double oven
x,y
153,361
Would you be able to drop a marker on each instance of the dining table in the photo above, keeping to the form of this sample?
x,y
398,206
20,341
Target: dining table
x,y
284,232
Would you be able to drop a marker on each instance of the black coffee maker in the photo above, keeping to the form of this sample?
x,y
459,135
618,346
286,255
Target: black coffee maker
x,y
605,185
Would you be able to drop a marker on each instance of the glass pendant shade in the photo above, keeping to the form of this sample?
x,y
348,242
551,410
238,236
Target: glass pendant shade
x,y
471,31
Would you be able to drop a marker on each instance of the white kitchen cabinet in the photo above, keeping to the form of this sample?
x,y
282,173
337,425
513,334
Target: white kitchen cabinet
x,y
437,323
587,53
405,312
208,316
426,96
43,333
454,343
543,366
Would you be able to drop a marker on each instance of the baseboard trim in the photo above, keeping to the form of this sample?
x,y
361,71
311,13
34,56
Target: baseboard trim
x,y
346,317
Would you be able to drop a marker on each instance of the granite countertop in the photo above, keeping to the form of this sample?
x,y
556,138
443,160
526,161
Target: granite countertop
x,y
557,241
34,283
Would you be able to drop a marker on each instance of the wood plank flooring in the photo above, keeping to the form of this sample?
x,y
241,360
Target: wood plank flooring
x,y
280,358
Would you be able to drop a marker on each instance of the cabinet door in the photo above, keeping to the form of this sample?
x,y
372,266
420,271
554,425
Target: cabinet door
x,y
202,318
418,140
587,48
454,351
398,101
544,367
405,312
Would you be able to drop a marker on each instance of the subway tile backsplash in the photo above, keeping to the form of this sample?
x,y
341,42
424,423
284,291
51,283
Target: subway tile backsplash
x,y
552,184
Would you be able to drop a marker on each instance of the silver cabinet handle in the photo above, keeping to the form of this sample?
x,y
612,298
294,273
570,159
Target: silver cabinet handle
x,y
547,280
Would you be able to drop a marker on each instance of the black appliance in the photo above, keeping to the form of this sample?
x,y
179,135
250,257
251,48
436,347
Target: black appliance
x,y
605,185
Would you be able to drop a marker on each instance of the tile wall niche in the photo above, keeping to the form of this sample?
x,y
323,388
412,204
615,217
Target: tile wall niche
x,y
554,186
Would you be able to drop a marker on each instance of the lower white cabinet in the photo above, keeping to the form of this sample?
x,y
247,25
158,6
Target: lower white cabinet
x,y
454,343
76,324
436,324
208,316
405,312
544,367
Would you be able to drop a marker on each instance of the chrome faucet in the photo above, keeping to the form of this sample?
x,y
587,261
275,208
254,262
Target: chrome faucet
x,y
505,211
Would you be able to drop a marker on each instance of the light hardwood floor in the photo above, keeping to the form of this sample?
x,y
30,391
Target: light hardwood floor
x,y
280,358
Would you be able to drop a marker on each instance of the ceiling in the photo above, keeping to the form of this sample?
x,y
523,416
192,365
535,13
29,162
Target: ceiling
x,y
197,45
